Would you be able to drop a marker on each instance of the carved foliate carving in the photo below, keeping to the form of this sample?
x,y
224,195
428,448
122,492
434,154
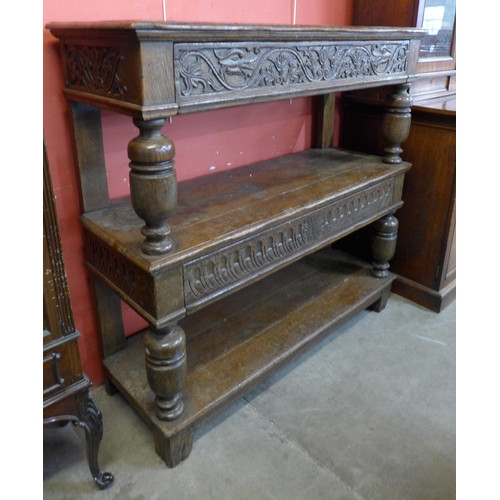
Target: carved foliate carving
x,y
95,69
223,270
116,269
92,418
222,67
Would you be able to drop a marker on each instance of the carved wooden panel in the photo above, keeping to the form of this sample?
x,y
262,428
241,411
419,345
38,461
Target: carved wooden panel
x,y
121,273
156,296
225,67
95,69
57,313
226,269
228,67
154,70
112,265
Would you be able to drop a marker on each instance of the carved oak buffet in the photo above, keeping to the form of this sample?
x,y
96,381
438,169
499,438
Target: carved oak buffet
x,y
183,255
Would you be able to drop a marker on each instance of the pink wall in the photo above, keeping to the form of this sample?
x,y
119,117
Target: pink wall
x,y
205,142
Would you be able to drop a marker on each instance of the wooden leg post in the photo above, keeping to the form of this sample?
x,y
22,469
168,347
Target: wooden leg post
x,y
173,450
111,332
153,184
380,304
166,369
396,123
385,233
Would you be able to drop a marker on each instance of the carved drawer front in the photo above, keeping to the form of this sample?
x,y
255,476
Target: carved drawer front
x,y
204,70
57,368
215,274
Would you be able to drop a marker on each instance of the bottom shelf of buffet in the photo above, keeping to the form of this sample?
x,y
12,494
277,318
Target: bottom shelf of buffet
x,y
235,343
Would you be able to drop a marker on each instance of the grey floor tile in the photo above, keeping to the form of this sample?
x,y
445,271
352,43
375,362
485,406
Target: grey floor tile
x,y
367,414
240,455
376,405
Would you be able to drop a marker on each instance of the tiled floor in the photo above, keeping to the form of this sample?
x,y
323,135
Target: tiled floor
x,y
368,414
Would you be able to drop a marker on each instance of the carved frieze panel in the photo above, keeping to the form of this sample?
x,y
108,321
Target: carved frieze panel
x,y
95,69
225,67
121,273
112,266
157,297
225,269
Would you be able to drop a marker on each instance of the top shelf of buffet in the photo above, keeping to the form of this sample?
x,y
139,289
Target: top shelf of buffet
x,y
157,69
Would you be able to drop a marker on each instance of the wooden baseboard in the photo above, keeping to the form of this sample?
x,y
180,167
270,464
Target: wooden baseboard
x,y
434,300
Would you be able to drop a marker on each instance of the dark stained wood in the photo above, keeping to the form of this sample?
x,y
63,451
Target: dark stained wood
x,y
432,149
108,309
153,184
231,205
88,150
436,74
220,277
66,396
321,194
285,314
169,85
425,259
377,12
384,239
198,67
166,369
396,123
325,121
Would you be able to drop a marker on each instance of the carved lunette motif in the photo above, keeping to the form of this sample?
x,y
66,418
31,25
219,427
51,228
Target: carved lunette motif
x,y
222,67
95,69
224,269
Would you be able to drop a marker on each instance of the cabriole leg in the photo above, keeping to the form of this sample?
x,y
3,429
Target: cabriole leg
x,y
91,422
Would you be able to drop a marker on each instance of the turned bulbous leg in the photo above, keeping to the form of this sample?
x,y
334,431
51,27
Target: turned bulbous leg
x,y
396,123
384,239
153,184
166,369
